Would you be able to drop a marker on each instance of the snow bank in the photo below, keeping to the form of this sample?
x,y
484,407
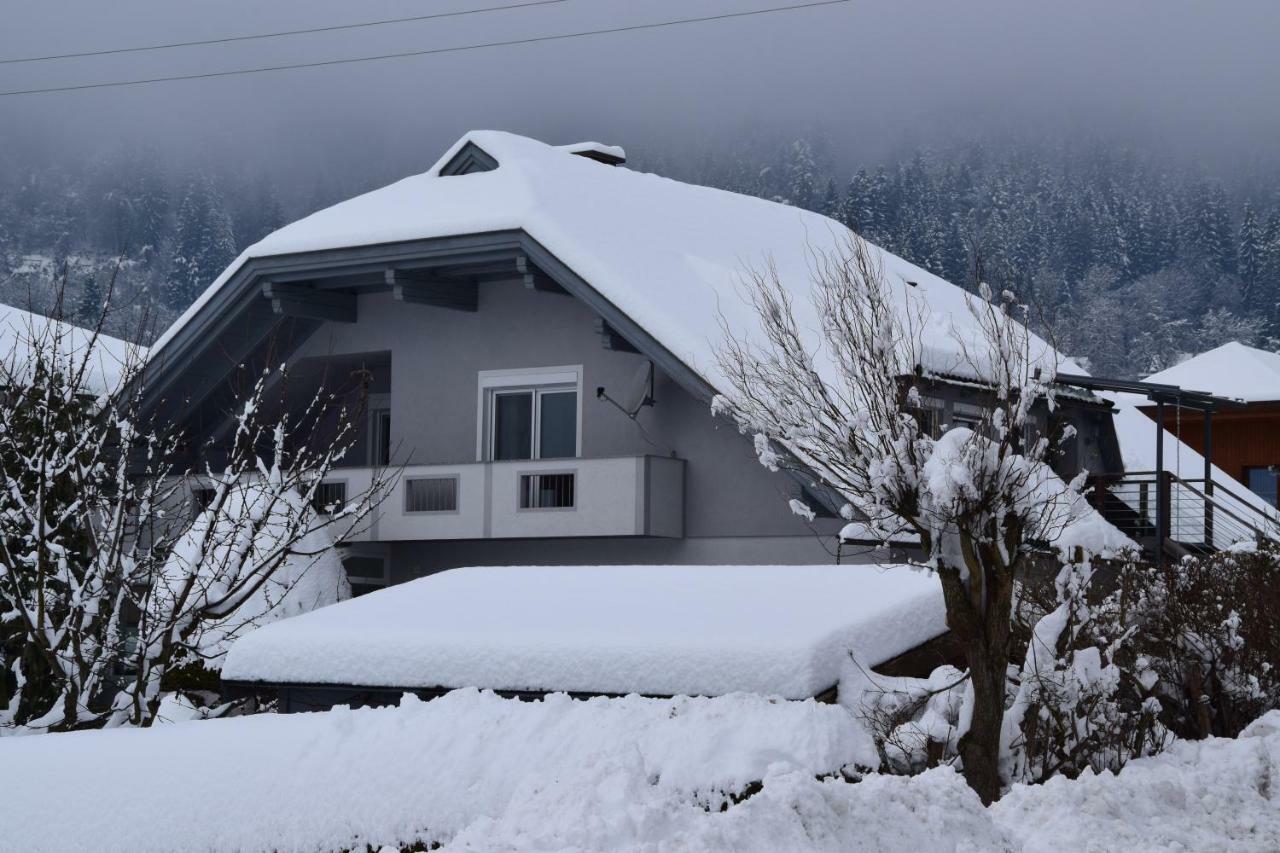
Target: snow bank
x,y
480,773
670,255
1217,794
422,771
658,630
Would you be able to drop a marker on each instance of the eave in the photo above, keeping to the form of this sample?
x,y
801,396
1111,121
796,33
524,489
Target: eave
x,y
243,314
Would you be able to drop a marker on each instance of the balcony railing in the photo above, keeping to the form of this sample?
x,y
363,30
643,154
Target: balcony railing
x,y
615,496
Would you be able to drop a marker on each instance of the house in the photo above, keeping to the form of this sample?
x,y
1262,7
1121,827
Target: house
x,y
1244,439
532,331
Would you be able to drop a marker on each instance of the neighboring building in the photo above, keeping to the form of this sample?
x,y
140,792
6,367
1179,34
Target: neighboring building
x,y
533,331
1245,438
106,364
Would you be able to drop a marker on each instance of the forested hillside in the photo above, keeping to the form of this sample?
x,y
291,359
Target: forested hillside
x,y
1133,259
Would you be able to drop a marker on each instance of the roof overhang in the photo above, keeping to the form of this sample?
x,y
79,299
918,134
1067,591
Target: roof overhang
x,y
245,312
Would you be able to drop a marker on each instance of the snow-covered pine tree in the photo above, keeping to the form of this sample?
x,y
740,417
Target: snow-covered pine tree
x,y
1250,252
204,242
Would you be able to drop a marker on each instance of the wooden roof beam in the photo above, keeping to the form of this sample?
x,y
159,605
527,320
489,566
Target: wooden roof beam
x,y
299,300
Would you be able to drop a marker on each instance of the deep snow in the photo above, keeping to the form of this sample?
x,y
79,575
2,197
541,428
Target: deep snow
x,y
480,773
657,630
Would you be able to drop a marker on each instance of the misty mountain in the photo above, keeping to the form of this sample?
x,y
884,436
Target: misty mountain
x,y
1131,260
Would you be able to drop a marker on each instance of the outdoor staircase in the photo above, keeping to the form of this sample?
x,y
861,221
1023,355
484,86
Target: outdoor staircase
x,y
1169,516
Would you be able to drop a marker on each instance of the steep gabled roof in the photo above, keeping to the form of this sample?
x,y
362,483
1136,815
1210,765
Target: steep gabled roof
x,y
1231,370
669,255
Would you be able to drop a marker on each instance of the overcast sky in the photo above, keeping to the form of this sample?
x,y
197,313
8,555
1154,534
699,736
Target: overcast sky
x,y
1203,76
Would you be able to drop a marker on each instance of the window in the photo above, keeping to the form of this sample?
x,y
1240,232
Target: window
x,y
967,415
431,494
546,491
1264,482
529,414
380,437
365,574
201,497
929,415
329,496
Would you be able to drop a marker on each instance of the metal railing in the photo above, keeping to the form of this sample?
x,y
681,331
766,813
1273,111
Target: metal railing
x,y
1171,514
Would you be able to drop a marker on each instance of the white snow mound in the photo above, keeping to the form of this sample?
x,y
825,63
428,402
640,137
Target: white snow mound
x,y
656,630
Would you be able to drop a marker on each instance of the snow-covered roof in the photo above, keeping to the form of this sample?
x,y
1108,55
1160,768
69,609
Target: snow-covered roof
x,y
1231,370
21,331
669,255
659,630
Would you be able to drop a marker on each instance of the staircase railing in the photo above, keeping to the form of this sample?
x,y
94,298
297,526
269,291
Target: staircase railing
x,y
1171,514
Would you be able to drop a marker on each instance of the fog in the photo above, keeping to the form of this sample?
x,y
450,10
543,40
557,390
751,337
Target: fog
x,y
1200,79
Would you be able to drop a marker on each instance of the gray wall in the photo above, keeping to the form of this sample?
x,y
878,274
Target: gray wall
x,y
436,355
409,560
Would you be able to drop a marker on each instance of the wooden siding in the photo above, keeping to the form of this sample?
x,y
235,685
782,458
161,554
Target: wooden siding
x,y
1246,437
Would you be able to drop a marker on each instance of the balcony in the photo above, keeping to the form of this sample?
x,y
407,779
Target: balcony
x,y
616,496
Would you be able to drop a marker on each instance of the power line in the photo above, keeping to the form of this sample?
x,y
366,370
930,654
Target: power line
x,y
427,52
280,34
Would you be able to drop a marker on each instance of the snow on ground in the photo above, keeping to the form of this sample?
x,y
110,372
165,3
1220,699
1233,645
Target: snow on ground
x,y
657,630
670,255
425,770
480,773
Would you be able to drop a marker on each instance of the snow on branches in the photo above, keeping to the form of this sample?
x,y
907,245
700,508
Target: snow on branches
x,y
108,578
839,393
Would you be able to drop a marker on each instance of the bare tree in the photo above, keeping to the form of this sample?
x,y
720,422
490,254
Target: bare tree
x,y
108,579
843,399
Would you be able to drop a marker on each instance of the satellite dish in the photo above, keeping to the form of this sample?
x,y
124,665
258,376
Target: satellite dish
x,y
636,394
639,391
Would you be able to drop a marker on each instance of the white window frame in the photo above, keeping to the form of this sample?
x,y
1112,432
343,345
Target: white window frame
x,y
535,380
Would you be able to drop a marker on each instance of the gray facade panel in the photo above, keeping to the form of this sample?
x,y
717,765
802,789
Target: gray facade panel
x,y
410,560
437,355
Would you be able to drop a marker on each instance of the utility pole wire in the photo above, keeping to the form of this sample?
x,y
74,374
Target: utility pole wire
x,y
280,34
427,52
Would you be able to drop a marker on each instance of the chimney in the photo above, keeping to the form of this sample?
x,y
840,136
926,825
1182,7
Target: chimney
x,y
610,155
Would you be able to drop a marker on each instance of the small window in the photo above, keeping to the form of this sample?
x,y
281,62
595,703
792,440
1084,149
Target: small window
x,y
201,498
365,574
929,415
967,415
431,494
1265,483
380,437
547,491
329,496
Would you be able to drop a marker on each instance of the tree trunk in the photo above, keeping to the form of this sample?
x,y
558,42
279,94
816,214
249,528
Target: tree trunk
x,y
980,745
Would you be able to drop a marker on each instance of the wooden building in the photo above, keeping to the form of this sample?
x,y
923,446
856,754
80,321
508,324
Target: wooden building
x,y
1244,439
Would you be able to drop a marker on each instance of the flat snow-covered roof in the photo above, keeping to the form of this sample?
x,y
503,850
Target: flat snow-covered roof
x,y
1231,370
669,255
658,630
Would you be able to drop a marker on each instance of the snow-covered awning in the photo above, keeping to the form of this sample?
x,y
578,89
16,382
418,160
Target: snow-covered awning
x,y
654,630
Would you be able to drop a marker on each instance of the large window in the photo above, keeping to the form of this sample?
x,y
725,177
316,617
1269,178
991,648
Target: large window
x,y
1265,482
529,414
